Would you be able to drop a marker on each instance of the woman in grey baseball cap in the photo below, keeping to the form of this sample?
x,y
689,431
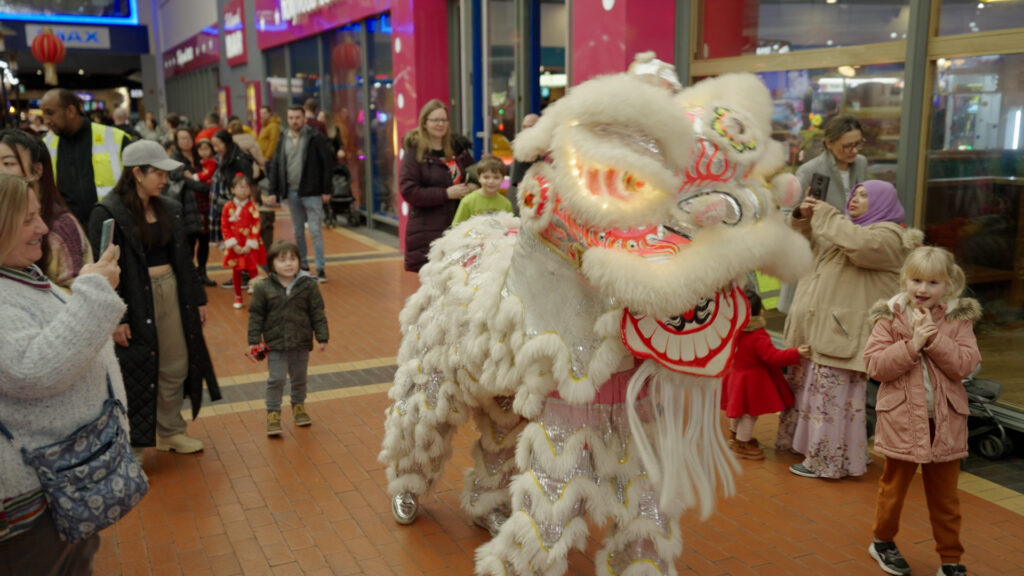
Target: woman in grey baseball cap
x,y
160,343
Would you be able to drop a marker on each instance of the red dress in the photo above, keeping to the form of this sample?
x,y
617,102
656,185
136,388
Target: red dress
x,y
240,225
754,384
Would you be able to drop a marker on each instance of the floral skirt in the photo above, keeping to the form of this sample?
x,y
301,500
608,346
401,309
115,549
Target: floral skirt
x,y
826,423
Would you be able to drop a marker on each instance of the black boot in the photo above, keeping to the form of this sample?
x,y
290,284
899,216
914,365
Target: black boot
x,y
206,279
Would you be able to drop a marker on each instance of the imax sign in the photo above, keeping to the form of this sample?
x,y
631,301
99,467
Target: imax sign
x,y
86,37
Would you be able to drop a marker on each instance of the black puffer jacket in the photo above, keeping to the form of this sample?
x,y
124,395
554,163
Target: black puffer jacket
x,y
178,190
424,185
140,362
287,321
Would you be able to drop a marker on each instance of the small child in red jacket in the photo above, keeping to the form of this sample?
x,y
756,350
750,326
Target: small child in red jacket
x,y
207,160
754,384
921,348
240,223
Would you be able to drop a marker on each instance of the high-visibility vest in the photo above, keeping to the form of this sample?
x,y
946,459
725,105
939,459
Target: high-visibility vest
x,y
106,156
768,289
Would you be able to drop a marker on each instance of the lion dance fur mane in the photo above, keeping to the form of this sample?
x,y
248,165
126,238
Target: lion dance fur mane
x,y
587,338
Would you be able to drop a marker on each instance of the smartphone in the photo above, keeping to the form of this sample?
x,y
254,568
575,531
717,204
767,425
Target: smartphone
x,y
107,238
819,186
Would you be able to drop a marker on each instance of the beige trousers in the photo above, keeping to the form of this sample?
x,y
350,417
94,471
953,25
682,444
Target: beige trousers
x,y
173,355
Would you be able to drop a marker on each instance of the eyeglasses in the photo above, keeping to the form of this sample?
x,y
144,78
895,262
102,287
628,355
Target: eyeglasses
x,y
437,120
854,146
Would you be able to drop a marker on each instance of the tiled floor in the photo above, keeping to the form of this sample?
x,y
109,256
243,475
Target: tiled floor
x,y
313,502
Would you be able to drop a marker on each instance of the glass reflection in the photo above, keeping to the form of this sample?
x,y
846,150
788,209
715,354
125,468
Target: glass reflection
x,y
743,27
972,16
806,99
973,201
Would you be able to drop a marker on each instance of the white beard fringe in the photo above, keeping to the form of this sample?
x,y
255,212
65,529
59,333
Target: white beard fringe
x,y
688,456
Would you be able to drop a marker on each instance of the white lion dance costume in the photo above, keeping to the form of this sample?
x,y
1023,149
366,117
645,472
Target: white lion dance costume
x,y
587,338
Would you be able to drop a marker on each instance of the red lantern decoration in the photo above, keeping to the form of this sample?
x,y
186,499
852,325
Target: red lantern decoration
x,y
48,49
345,61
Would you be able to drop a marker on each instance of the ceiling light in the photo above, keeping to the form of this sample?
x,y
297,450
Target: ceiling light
x,y
81,72
848,71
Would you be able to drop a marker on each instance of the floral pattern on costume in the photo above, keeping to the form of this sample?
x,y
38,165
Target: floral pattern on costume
x,y
827,423
240,224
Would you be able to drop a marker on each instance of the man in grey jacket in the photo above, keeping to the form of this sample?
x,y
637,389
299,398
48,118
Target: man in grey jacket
x,y
300,173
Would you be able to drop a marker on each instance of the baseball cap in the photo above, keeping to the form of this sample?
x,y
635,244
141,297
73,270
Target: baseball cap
x,y
148,153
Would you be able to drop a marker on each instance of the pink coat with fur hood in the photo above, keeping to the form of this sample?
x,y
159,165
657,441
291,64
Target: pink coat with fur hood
x,y
902,430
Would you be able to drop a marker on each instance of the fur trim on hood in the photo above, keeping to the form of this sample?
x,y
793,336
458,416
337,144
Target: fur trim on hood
x,y
912,238
956,308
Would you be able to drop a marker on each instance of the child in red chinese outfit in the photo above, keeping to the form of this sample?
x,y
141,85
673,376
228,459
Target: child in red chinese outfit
x,y
240,224
754,385
207,159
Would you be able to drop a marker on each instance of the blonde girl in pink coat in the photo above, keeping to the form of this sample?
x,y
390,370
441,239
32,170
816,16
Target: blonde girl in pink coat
x,y
921,348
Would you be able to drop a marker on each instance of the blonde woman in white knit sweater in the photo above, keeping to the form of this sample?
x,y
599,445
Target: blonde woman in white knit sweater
x,y
56,352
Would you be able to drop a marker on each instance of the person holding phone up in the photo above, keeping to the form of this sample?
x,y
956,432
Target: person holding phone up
x,y
858,256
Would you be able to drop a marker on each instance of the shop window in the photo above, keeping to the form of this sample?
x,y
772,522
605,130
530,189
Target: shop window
x,y
973,16
305,70
553,78
343,54
381,117
745,27
973,203
277,80
501,16
805,100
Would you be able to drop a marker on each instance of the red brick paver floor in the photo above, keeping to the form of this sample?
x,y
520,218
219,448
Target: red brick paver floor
x,y
313,501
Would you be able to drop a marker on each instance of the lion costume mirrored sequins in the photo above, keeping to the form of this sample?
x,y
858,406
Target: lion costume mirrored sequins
x,y
586,338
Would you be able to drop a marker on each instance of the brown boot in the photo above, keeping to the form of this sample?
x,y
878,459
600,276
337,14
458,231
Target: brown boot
x,y
747,450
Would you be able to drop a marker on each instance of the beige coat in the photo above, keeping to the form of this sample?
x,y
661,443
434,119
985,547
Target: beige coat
x,y
951,355
854,267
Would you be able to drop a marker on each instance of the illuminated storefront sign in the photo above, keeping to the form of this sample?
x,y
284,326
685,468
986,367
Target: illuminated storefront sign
x,y
290,9
279,22
84,37
234,33
200,50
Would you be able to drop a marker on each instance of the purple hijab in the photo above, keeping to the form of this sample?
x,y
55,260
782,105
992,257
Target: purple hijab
x,y
883,204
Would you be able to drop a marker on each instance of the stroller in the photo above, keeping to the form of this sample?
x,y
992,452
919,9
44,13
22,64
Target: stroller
x,y
341,199
981,392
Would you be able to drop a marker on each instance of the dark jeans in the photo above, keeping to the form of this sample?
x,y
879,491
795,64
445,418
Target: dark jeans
x,y
41,552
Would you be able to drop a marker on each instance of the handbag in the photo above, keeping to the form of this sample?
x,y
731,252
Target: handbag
x,y
90,479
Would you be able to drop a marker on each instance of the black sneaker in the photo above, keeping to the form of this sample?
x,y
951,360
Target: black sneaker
x,y
321,277
889,558
952,570
230,284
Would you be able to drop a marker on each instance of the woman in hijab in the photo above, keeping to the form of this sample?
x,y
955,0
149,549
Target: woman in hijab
x,y
858,256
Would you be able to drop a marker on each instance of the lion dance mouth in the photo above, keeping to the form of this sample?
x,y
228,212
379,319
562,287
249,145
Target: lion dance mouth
x,y
698,342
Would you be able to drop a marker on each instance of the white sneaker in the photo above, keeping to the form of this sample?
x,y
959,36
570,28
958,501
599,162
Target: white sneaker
x,y
178,443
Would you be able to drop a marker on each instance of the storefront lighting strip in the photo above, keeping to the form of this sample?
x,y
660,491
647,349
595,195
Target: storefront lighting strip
x,y
132,20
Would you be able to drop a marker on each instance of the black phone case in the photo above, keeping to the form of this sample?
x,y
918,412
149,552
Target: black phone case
x,y
819,186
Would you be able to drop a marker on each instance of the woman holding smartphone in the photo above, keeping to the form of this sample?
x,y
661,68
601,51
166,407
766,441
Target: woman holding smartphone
x,y
160,343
